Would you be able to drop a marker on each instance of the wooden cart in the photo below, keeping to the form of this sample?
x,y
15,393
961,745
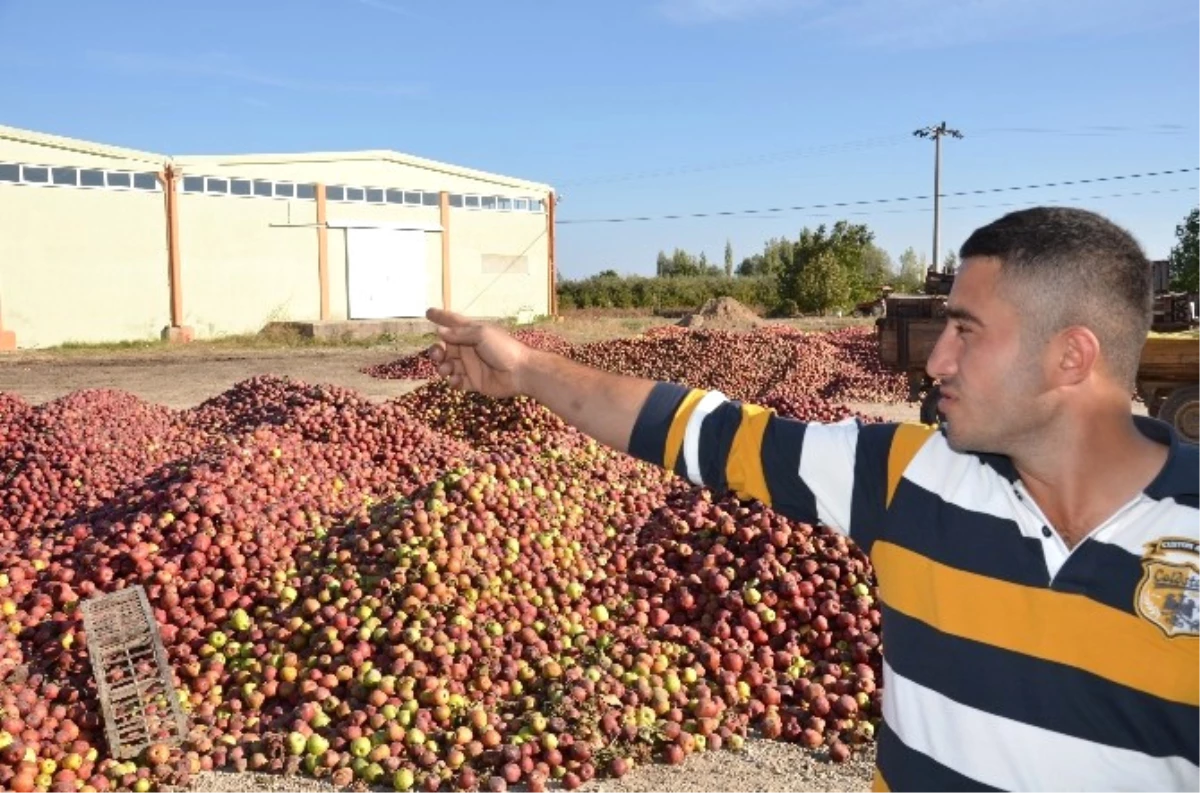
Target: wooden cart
x,y
907,335
1167,381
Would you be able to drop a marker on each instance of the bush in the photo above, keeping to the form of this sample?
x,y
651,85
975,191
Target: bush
x,y
787,309
665,294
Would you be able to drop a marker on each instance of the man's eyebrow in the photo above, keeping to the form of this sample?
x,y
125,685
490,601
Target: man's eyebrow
x,y
962,315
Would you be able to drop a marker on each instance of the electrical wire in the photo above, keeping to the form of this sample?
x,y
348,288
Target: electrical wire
x,y
865,202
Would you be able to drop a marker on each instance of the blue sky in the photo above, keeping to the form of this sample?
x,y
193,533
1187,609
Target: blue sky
x,y
656,107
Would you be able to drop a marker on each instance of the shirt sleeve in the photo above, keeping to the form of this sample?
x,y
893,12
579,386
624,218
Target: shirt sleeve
x,y
834,474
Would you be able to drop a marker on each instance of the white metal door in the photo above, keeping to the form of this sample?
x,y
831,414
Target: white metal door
x,y
386,275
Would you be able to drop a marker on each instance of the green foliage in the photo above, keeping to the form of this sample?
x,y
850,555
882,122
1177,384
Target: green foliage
x,y
911,278
682,264
1185,256
666,293
848,267
950,263
728,259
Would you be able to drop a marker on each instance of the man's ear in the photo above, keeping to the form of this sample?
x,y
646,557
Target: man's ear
x,y
1078,354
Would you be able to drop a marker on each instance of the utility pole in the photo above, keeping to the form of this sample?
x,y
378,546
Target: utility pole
x,y
937,133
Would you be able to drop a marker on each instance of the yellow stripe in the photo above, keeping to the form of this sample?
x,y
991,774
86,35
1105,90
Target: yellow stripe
x,y
678,425
907,441
1054,626
744,466
878,783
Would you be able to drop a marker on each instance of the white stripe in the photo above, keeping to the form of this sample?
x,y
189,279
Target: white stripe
x,y
1148,521
964,480
1012,755
691,435
827,469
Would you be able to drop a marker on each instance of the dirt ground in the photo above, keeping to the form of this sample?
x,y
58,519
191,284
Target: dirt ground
x,y
184,378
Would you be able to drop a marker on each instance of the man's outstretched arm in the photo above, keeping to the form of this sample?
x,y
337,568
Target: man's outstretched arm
x,y
831,473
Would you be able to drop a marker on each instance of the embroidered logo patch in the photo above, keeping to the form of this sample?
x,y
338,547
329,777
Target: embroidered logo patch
x,y
1169,593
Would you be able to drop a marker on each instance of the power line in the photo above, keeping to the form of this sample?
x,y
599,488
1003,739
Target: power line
x,y
894,200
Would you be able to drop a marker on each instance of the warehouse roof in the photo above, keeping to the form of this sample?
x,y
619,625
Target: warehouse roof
x,y
384,155
75,145
378,155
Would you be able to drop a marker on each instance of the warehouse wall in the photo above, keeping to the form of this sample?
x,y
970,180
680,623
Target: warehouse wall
x,y
244,265
499,263
82,265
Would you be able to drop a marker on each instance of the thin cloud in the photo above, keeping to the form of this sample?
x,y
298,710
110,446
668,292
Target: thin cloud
x,y
223,66
390,8
928,24
694,12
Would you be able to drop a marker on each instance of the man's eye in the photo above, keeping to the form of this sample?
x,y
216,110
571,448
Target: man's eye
x,y
962,329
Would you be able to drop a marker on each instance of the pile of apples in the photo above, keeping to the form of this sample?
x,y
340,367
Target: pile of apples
x,y
441,591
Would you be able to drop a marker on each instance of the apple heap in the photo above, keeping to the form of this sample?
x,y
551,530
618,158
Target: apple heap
x,y
440,591
801,373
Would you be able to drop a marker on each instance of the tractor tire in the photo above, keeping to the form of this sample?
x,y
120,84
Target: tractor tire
x,y
929,411
1181,410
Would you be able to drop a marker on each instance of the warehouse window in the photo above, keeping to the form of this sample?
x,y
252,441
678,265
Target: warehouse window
x,y
471,201
521,204
503,204
488,202
145,181
239,187
432,199
306,191
218,186
284,190
395,196
119,179
412,198
537,205
65,176
355,194
9,172
34,174
374,195
193,184
262,188
456,200
335,193
91,178
495,264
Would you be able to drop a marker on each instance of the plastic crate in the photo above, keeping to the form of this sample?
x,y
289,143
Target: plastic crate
x,y
134,683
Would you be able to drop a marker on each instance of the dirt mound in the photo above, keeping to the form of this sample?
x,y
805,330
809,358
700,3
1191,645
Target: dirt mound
x,y
722,313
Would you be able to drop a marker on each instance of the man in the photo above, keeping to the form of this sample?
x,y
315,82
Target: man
x,y
1036,555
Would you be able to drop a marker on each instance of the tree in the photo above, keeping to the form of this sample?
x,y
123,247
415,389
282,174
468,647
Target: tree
x,y
728,259
822,284
911,278
1185,257
608,274
877,268
847,244
703,264
950,263
663,264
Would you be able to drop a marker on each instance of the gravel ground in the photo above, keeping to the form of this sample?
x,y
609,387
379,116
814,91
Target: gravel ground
x,y
762,766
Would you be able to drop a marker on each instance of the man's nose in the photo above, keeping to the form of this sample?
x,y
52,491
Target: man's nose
x,y
942,364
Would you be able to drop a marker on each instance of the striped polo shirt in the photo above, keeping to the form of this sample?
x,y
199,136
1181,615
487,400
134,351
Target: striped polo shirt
x,y
1010,661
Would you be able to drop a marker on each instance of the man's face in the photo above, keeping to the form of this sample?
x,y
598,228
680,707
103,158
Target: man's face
x,y
990,384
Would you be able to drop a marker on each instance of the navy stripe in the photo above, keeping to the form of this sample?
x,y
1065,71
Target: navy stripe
x,y
783,440
649,437
716,441
1104,572
1180,477
903,768
1040,693
975,542
868,497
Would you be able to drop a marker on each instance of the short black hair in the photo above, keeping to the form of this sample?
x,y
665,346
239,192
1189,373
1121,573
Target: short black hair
x,y
1074,267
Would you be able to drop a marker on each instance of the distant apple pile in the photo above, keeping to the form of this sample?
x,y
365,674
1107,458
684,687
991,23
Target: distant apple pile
x,y
798,373
347,592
